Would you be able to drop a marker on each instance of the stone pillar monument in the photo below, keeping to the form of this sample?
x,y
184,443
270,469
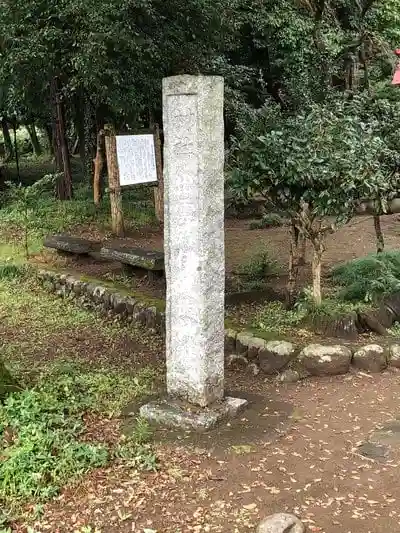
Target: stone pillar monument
x,y
194,236
194,251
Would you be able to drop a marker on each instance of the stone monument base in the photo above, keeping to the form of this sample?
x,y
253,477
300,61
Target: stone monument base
x,y
178,414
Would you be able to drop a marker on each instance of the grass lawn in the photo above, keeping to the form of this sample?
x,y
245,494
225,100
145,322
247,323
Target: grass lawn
x,y
75,373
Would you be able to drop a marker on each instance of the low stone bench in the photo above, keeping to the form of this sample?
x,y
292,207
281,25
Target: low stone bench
x,y
135,257
72,245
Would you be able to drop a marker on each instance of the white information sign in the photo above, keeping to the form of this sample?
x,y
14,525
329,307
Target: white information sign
x,y
136,159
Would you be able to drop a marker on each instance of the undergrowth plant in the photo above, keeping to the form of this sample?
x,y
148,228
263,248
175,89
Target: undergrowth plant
x,y
42,431
275,318
269,220
368,278
25,200
33,211
257,269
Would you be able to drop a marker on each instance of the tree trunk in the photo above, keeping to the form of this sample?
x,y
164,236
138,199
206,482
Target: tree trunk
x,y
380,242
159,190
49,133
37,149
117,220
301,250
88,149
98,167
80,127
64,187
293,266
56,148
8,145
316,275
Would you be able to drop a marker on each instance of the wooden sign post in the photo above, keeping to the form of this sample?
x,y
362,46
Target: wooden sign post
x,y
117,217
133,160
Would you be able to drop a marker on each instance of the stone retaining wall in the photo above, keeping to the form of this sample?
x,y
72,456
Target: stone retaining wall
x,y
93,295
290,362
287,361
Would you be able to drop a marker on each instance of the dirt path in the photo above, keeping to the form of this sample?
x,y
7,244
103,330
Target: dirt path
x,y
294,449
312,469
353,240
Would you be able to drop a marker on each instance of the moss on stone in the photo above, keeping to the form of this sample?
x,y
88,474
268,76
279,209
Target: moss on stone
x,y
146,300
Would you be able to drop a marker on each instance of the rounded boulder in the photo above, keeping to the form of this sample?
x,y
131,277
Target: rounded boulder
x,y
275,355
394,355
281,523
320,360
372,358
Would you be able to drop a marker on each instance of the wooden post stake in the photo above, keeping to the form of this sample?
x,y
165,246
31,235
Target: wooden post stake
x,y
117,218
159,190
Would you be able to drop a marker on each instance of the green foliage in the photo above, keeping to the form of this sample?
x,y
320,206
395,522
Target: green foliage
x,y
275,318
334,163
395,330
11,271
259,267
115,52
270,220
34,212
332,307
42,431
368,278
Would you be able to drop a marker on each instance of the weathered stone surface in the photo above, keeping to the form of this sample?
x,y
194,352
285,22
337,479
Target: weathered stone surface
x,y
392,302
194,236
394,355
372,358
118,303
253,369
236,360
136,257
344,327
289,376
92,296
254,346
370,322
243,340
230,341
72,245
173,414
320,360
151,313
385,315
275,355
281,523
373,450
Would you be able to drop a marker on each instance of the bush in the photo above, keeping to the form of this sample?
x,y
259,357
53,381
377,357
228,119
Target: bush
x,y
274,317
34,210
270,220
12,271
259,267
368,278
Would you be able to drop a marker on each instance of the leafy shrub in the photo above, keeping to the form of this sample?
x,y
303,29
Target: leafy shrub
x,y
368,278
259,267
11,271
36,208
270,220
274,317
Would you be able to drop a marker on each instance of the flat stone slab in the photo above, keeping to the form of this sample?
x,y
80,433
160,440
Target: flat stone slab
x,y
373,450
72,245
173,413
136,257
